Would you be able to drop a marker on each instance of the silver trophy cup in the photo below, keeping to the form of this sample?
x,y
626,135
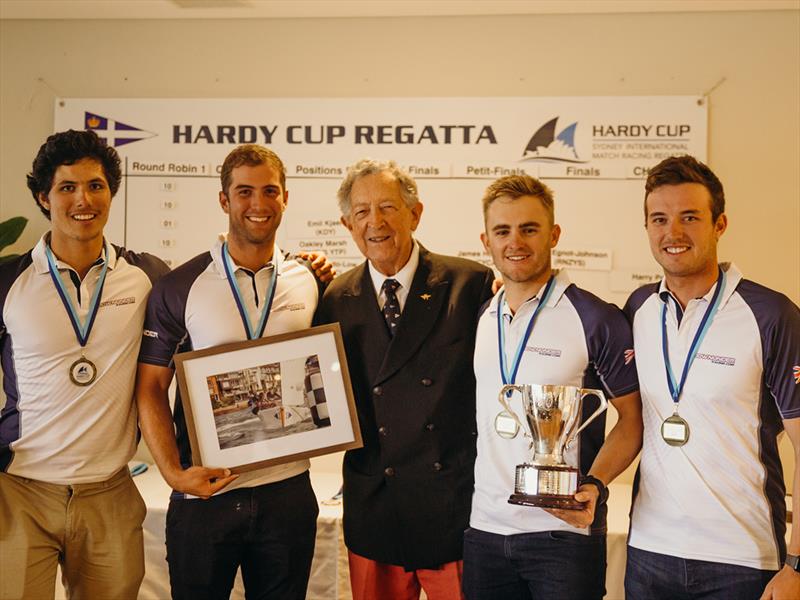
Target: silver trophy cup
x,y
553,417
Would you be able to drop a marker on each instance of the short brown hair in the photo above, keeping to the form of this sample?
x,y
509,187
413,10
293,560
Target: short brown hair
x,y
516,186
676,170
251,155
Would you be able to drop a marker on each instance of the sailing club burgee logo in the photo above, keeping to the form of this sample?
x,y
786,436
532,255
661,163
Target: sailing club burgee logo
x,y
114,132
547,146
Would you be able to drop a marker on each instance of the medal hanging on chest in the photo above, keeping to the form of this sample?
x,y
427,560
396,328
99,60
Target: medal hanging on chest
x,y
83,371
506,425
675,429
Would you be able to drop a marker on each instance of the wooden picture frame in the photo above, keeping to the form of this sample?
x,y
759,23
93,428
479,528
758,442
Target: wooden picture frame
x,y
269,401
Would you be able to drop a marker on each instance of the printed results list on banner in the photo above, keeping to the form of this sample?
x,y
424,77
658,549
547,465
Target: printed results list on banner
x,y
185,214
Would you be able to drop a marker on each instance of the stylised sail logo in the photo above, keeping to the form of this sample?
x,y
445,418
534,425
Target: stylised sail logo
x,y
115,132
545,145
629,354
796,375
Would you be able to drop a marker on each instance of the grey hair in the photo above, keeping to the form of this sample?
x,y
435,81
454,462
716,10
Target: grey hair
x,y
367,166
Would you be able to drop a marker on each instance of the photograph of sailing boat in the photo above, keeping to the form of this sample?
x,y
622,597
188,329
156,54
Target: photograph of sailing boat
x,y
268,401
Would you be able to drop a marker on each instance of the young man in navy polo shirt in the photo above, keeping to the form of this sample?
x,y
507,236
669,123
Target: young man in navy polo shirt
x,y
263,521
718,360
72,312
560,335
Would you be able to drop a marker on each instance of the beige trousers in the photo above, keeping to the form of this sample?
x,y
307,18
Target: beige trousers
x,y
94,530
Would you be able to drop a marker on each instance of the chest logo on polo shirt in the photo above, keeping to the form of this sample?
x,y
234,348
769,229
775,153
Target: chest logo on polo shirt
x,y
292,307
629,354
796,375
727,361
119,301
552,352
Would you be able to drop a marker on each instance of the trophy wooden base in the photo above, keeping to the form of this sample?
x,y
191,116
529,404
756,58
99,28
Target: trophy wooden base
x,y
546,501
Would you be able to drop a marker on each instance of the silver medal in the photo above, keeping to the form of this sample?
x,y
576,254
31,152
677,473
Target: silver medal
x,y
675,430
506,425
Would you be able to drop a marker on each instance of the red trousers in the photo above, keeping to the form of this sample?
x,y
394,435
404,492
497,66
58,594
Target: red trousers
x,y
371,580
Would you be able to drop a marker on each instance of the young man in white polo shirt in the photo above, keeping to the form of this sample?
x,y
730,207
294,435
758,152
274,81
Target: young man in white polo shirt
x,y
562,335
72,312
717,357
243,288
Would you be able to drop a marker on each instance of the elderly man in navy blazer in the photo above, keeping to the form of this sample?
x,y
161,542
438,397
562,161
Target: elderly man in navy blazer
x,y
408,318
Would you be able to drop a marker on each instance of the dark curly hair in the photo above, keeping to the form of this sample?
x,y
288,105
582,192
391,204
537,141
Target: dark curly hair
x,y
67,148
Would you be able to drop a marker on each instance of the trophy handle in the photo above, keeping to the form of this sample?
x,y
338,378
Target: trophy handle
x,y
502,399
603,406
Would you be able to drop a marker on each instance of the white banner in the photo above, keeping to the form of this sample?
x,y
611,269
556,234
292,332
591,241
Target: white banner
x,y
593,152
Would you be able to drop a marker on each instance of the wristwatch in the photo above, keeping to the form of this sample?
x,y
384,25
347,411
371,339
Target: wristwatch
x,y
603,490
793,561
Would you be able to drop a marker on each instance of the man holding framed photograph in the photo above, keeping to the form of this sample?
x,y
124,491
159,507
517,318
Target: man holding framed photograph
x,y
243,288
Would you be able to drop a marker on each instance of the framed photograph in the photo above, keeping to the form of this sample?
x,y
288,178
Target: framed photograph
x,y
269,401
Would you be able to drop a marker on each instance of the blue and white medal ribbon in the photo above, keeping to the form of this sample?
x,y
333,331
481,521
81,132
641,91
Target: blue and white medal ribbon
x,y
258,331
510,376
505,425
83,371
675,429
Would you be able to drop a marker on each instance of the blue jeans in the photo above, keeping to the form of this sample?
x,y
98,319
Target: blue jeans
x,y
268,530
533,566
651,576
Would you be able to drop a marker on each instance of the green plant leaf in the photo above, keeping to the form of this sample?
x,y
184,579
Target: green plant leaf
x,y
11,230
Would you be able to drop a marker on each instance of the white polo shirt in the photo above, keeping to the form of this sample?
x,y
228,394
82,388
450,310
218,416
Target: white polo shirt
x,y
193,308
577,340
51,429
720,497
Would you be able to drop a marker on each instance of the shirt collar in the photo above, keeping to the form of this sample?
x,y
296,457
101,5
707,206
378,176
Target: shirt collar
x,y
39,258
404,276
216,256
560,285
732,278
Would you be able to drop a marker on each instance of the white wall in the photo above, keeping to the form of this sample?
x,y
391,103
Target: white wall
x,y
754,122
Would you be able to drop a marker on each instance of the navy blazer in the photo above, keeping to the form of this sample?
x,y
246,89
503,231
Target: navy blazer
x,y
408,491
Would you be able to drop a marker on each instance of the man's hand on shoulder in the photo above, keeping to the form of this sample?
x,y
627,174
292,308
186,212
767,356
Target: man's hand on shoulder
x,y
322,267
496,285
200,481
784,586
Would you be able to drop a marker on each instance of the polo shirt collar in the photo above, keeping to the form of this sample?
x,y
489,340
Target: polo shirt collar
x,y
216,256
732,278
560,285
39,258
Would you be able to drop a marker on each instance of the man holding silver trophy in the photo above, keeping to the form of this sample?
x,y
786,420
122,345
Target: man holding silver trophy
x,y
562,350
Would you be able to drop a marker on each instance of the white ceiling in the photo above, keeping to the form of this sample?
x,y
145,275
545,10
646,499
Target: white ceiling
x,y
261,9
